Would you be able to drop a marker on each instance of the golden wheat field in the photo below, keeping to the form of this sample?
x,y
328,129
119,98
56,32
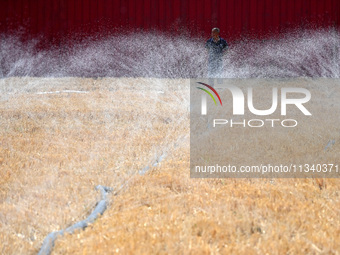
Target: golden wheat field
x,y
60,137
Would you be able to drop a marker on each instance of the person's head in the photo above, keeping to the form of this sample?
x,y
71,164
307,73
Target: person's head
x,y
215,33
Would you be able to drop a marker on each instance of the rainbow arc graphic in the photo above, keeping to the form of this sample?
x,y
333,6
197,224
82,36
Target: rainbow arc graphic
x,y
209,93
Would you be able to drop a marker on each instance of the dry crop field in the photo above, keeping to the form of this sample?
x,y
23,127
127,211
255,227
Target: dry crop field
x,y
60,137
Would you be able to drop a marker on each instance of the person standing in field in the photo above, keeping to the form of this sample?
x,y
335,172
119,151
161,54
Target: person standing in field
x,y
216,46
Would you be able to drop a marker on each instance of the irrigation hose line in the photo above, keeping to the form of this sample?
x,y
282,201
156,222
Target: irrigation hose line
x,y
49,240
48,243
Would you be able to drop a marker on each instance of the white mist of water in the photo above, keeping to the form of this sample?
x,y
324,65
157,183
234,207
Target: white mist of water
x,y
297,54
302,53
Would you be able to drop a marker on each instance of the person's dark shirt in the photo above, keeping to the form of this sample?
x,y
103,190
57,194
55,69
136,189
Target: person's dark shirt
x,y
216,49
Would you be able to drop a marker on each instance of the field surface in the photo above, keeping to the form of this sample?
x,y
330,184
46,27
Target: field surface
x,y
60,137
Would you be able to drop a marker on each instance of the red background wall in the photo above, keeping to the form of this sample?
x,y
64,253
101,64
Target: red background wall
x,y
56,19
